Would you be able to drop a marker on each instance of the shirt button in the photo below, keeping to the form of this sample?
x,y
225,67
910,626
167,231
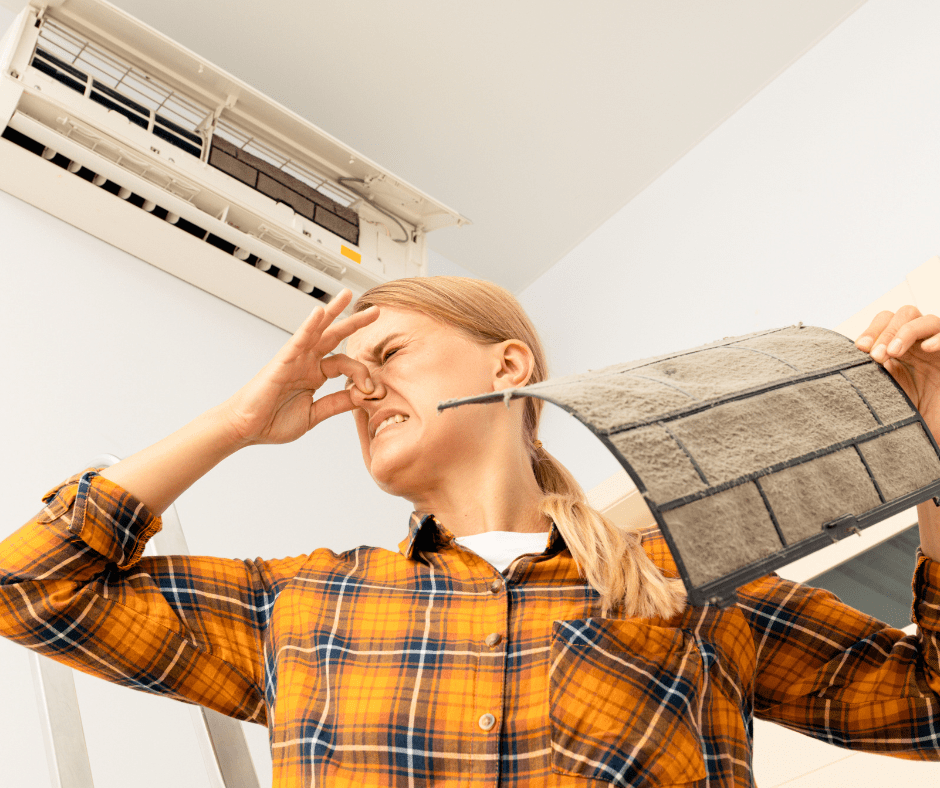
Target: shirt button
x,y
496,586
493,639
486,722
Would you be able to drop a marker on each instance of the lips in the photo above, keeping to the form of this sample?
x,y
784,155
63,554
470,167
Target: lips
x,y
395,418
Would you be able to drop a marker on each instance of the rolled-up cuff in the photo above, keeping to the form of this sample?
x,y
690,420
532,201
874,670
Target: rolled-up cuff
x,y
103,515
926,608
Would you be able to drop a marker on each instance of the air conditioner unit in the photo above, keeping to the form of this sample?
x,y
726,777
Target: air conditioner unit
x,y
122,132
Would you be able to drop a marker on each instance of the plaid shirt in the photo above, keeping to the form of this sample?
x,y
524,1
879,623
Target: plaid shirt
x,y
427,666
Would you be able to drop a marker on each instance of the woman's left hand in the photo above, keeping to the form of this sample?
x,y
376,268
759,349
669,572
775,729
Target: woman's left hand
x,y
907,344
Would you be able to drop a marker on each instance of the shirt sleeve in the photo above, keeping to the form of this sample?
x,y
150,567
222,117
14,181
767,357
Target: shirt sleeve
x,y
834,673
75,587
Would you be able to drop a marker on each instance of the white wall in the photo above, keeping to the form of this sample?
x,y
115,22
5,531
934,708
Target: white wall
x,y
438,265
813,200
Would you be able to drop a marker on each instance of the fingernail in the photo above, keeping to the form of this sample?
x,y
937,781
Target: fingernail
x,y
368,386
895,347
879,352
864,343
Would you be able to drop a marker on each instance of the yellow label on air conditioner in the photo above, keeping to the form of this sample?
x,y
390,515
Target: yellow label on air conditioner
x,y
355,256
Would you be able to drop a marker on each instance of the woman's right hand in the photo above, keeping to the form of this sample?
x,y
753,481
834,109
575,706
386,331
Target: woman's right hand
x,y
278,405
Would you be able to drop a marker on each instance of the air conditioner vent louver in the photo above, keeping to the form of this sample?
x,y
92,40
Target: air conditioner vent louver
x,y
184,166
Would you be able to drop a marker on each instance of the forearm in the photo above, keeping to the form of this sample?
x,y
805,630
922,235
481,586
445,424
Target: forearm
x,y
159,474
834,673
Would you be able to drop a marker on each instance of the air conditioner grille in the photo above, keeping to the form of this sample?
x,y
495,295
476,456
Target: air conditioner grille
x,y
61,71
134,112
116,84
172,127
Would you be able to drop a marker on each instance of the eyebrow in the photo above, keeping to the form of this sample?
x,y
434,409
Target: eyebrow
x,y
377,350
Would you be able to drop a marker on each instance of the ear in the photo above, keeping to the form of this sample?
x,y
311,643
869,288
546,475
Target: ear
x,y
514,364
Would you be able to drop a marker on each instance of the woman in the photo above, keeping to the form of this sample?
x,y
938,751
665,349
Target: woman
x,y
432,665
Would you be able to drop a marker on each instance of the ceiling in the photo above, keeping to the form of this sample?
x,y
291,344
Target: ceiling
x,y
536,119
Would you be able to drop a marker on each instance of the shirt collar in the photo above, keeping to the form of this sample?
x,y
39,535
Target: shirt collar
x,y
424,531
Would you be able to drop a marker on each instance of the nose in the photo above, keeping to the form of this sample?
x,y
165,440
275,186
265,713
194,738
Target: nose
x,y
360,398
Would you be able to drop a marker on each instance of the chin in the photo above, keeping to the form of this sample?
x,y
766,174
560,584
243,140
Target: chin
x,y
397,485
394,472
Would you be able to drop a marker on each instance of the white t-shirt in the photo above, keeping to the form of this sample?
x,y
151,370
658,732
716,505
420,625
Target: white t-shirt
x,y
501,548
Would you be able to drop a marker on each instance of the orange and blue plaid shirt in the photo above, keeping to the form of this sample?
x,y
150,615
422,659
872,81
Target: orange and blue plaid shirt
x,y
375,668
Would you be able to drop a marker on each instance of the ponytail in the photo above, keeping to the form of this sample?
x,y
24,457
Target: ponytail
x,y
611,559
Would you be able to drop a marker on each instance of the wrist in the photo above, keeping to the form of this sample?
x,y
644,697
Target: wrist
x,y
222,430
928,518
234,426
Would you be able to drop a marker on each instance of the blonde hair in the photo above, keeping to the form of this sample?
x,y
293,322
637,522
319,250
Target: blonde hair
x,y
611,559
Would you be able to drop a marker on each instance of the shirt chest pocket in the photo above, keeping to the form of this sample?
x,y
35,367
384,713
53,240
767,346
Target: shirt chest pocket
x,y
624,703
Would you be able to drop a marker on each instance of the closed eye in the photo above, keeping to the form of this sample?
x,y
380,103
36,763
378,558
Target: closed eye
x,y
389,353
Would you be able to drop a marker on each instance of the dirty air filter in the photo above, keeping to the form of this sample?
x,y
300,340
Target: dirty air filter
x,y
754,451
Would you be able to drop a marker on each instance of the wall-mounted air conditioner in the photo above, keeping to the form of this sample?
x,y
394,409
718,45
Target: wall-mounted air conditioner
x,y
122,132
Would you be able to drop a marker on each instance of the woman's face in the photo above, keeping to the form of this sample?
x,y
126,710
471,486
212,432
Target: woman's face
x,y
415,362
